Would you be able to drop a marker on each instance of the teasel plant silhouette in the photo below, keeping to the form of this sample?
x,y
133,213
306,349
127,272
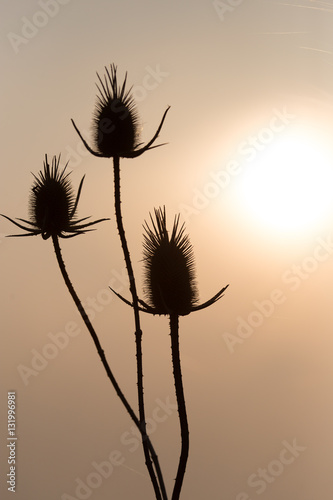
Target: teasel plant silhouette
x,y
53,208
115,135
171,290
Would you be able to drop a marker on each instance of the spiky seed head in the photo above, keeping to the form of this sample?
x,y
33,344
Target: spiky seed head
x,y
52,200
115,118
169,274
52,205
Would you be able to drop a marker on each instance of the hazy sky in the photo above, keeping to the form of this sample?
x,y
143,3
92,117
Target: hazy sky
x,y
249,165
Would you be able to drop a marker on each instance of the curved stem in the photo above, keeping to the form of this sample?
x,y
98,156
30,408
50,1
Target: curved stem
x,y
100,351
174,333
159,489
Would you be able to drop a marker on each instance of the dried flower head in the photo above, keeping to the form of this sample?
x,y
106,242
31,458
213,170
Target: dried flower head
x,y
115,120
115,124
169,267
169,274
52,205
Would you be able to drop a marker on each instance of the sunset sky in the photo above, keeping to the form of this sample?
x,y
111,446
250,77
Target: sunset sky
x,y
248,163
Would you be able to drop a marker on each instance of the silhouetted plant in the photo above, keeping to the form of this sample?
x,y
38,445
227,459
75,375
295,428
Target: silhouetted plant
x,y
170,289
52,208
169,273
116,136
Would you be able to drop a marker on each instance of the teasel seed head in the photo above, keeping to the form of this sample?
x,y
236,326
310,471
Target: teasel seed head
x,y
53,205
116,118
169,281
115,122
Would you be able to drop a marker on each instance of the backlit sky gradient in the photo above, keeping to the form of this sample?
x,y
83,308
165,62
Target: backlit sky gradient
x,y
257,366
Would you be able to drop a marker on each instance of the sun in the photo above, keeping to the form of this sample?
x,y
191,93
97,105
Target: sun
x,y
288,187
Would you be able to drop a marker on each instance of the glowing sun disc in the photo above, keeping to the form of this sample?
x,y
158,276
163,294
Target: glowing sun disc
x,y
289,186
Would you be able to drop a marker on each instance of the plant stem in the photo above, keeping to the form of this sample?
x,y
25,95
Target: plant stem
x,y
174,333
159,489
100,351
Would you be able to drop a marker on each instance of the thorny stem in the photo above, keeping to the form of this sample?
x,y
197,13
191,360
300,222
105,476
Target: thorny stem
x,y
174,333
100,351
158,488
